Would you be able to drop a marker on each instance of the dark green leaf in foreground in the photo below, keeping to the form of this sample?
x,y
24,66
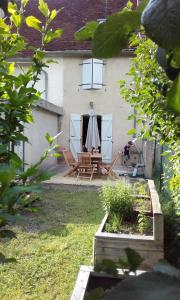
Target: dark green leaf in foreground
x,y
133,258
86,32
112,36
173,96
7,234
161,20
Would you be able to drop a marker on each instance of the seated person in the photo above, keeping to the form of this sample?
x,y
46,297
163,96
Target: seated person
x,y
126,151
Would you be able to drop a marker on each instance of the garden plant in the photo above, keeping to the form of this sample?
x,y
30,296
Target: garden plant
x,y
18,97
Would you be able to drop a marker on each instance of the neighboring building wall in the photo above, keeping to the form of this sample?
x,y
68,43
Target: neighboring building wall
x,y
44,122
51,81
106,101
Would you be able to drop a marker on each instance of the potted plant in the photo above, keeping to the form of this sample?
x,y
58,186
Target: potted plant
x,y
131,220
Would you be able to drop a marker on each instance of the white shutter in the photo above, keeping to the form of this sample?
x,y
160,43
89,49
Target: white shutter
x,y
97,73
87,74
106,142
75,134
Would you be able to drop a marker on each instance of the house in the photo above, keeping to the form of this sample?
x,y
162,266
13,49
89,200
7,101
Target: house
x,y
78,82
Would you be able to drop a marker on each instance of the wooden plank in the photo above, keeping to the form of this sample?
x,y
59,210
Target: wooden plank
x,y
117,236
150,258
156,206
158,228
149,245
81,283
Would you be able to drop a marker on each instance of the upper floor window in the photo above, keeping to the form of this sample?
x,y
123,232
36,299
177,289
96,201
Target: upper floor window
x,y
92,74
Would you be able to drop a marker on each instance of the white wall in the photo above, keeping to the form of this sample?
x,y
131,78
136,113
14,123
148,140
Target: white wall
x,y
54,81
43,122
106,101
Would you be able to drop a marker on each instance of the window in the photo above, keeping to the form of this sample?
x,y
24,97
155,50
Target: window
x,y
92,71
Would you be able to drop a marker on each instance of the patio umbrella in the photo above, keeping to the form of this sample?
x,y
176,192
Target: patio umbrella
x,y
92,139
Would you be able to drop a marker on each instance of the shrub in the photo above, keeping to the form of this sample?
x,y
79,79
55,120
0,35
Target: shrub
x,y
117,200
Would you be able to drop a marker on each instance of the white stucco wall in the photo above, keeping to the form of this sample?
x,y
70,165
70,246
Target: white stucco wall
x,y
52,78
106,101
43,122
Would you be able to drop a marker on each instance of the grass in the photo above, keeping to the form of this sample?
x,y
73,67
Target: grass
x,y
51,244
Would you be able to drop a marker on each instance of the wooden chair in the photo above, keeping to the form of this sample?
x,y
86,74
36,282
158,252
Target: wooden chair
x,y
109,167
70,161
85,168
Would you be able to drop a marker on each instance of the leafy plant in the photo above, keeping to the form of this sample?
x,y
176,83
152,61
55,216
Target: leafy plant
x,y
130,263
117,200
140,188
17,99
155,99
107,266
143,223
114,223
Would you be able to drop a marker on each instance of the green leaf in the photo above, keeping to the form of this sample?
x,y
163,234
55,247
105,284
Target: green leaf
x,y
86,32
53,15
43,7
51,35
131,117
161,20
33,23
7,234
133,258
24,2
132,131
112,36
3,26
173,96
49,138
12,8
16,19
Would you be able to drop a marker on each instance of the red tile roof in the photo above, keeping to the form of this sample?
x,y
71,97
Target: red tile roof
x,y
74,15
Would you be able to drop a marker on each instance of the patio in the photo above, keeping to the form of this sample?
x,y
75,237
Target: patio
x,y
61,170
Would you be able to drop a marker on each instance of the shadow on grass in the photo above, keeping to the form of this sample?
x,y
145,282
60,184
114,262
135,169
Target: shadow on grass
x,y
58,208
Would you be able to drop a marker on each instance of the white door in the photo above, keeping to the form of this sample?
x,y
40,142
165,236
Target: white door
x,y
75,134
106,138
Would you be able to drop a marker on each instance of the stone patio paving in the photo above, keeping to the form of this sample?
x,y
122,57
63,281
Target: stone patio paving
x,y
61,169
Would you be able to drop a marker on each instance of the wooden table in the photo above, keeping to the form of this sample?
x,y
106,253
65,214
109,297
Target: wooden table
x,y
96,159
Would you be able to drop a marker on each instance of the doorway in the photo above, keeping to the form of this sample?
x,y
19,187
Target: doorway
x,y
85,121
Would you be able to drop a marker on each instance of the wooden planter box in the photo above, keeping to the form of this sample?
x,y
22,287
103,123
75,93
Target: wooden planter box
x,y
88,280
151,248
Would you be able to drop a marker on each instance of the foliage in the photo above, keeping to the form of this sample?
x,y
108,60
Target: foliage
x,y
106,265
129,263
146,94
132,261
166,31
116,199
171,232
140,188
143,223
109,37
18,96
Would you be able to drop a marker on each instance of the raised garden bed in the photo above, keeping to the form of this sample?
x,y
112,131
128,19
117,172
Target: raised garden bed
x,y
88,280
150,247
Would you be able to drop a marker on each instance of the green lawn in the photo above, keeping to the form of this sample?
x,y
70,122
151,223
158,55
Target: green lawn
x,y
51,245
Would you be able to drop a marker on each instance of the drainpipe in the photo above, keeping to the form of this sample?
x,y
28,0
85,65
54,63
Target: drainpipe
x,y
46,84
